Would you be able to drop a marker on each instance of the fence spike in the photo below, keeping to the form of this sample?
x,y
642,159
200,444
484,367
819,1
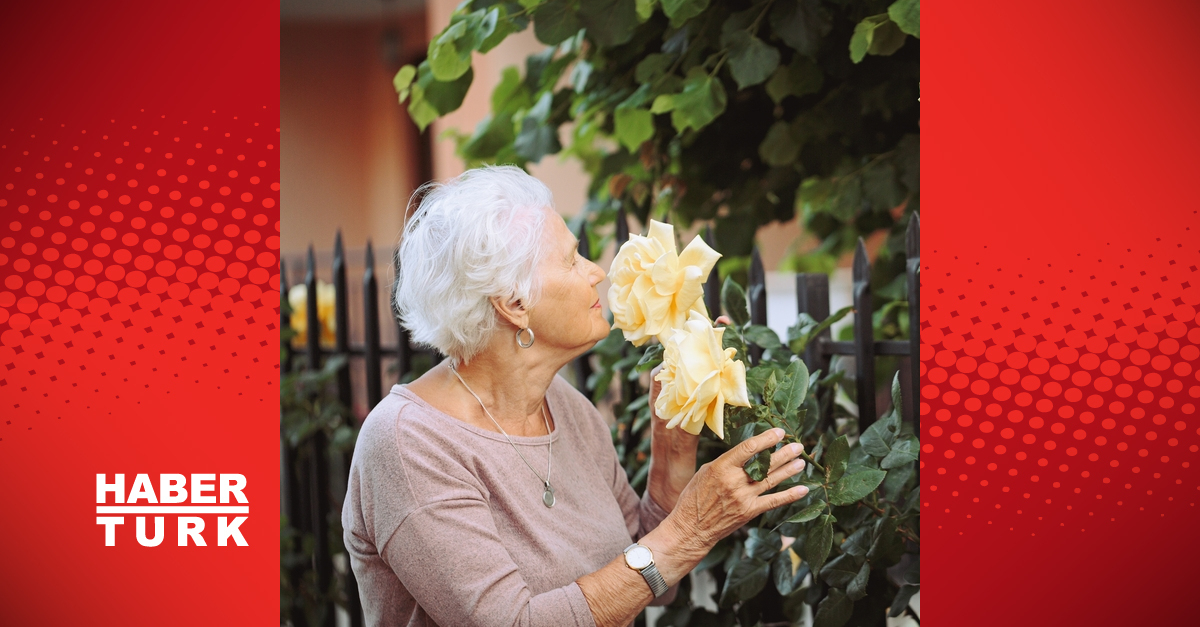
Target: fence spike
x,y
318,464
622,227
712,286
812,297
372,351
312,323
757,295
583,365
913,268
864,337
341,318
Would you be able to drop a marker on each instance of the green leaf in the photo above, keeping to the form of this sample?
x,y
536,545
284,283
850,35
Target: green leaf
x,y
905,451
538,138
887,547
447,59
795,387
763,544
907,15
555,22
902,598
779,148
808,513
897,395
781,571
758,466
651,358
857,588
502,28
751,60
818,542
801,25
633,127
491,135
609,22
835,609
432,98
857,543
403,80
896,481
876,35
653,66
878,438
840,571
681,11
799,78
645,8
806,328
745,581
855,485
762,336
701,101
733,298
837,457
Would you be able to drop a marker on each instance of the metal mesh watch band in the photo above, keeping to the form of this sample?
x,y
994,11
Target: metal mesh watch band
x,y
650,573
657,584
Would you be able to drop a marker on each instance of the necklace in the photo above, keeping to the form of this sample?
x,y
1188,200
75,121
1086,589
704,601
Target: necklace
x,y
548,492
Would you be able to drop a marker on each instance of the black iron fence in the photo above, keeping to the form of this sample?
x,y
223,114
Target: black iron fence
x,y
313,481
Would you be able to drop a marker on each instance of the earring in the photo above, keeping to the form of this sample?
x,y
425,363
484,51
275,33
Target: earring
x,y
523,344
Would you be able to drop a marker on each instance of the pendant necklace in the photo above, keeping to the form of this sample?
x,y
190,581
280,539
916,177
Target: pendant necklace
x,y
548,492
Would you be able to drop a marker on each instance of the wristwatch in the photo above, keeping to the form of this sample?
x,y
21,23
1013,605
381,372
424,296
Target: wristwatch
x,y
640,558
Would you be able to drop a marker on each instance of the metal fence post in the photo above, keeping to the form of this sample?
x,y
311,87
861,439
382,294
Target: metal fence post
x,y
756,293
371,331
812,297
318,468
864,338
912,242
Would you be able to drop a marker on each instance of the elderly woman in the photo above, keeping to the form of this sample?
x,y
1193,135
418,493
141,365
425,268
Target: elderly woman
x,y
488,492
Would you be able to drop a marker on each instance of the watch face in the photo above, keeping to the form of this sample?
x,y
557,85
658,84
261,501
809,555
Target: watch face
x,y
638,557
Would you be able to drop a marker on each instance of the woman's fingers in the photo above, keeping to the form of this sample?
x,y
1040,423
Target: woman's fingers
x,y
740,454
785,454
780,474
779,499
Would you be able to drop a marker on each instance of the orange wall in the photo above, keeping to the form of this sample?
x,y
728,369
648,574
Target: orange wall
x,y
348,158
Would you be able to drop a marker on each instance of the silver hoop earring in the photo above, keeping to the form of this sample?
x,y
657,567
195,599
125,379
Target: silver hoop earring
x,y
523,344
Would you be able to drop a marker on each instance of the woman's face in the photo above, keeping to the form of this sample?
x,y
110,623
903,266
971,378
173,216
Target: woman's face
x,y
568,314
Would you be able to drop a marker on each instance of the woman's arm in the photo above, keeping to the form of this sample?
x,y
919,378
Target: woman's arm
x,y
719,499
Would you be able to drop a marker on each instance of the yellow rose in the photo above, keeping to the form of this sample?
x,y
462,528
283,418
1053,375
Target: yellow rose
x,y
699,378
297,298
653,288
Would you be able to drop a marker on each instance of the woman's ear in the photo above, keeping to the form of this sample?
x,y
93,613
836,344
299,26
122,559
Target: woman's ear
x,y
512,310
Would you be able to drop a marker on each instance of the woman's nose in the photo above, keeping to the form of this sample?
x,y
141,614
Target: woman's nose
x,y
596,273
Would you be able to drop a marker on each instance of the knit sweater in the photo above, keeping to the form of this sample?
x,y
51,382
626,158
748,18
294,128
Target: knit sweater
x,y
445,525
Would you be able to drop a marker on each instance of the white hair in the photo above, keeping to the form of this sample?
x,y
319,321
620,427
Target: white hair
x,y
474,237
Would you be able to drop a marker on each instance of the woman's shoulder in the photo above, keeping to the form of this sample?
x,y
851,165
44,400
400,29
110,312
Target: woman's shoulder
x,y
408,436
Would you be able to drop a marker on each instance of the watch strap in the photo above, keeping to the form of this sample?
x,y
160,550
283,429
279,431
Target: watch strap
x,y
657,584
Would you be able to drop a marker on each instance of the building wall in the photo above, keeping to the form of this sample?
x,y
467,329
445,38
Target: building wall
x,y
349,149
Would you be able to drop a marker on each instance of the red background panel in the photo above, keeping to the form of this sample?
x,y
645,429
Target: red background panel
x,y
139,302
1059,313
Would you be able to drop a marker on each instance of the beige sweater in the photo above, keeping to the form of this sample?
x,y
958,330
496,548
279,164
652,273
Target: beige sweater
x,y
445,525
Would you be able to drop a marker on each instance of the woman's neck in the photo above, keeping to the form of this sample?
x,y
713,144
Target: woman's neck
x,y
511,383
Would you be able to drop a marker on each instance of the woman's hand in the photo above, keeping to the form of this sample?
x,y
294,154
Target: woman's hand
x,y
721,497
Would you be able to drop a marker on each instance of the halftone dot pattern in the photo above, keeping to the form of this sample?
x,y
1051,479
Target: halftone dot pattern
x,y
138,254
1059,395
